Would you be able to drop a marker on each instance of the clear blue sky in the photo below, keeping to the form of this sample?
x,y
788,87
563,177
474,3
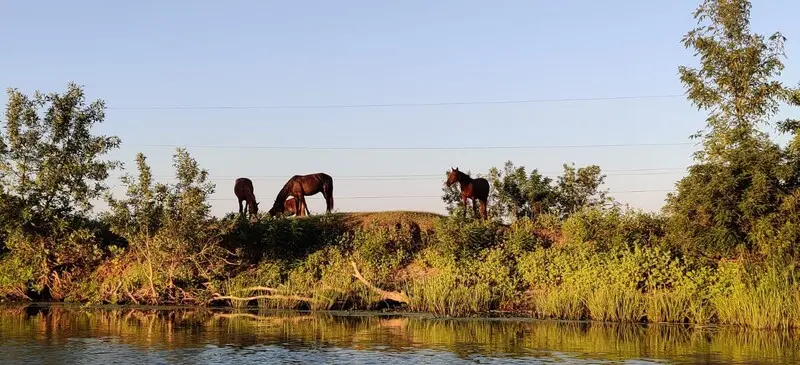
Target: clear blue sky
x,y
259,53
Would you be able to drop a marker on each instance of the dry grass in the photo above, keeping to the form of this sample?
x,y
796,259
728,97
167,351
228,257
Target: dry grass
x,y
425,220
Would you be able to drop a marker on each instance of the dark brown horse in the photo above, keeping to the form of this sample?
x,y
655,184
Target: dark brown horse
x,y
476,189
300,186
289,207
243,188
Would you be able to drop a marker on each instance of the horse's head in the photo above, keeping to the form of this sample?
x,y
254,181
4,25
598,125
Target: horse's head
x,y
276,209
453,176
253,212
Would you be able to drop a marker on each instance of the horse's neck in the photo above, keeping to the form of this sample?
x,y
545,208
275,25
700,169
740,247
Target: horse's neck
x,y
281,198
464,180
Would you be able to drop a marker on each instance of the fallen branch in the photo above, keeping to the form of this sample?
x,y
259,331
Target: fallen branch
x,y
131,296
216,296
400,296
254,288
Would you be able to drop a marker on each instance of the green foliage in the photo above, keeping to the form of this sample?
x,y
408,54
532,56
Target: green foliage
x,y
173,243
15,276
519,194
741,176
50,170
579,188
612,229
767,297
49,159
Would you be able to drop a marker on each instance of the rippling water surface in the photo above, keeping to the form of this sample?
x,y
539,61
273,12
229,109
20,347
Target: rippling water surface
x,y
62,334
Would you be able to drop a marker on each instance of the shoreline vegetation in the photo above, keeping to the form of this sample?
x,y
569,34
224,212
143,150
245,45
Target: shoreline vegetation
x,y
724,250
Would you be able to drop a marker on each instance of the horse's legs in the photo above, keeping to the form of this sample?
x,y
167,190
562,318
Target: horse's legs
x,y
464,204
305,208
298,206
303,202
474,208
327,192
241,209
483,210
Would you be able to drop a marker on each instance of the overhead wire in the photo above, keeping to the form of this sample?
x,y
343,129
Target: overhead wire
x,y
397,105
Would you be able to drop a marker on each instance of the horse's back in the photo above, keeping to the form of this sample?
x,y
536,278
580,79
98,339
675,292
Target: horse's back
x,y
320,177
480,186
324,177
480,181
243,187
243,183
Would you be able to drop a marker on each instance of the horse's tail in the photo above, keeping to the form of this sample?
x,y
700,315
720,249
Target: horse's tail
x,y
328,187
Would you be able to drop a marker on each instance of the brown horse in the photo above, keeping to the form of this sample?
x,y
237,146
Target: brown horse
x,y
289,207
243,188
475,189
300,186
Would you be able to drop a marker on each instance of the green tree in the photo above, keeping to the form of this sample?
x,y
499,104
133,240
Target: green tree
x,y
740,173
50,170
580,187
169,229
142,212
521,195
180,210
49,158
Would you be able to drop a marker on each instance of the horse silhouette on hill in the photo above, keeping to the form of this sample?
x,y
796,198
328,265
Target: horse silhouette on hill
x,y
476,189
300,186
243,188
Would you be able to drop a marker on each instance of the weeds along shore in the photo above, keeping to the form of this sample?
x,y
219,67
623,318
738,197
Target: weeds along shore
x,y
600,265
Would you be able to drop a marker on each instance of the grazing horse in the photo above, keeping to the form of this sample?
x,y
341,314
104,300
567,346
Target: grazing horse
x,y
475,189
300,186
243,188
289,207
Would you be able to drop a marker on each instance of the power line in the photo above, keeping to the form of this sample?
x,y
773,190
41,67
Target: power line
x,y
439,196
397,105
422,178
338,177
308,148
655,170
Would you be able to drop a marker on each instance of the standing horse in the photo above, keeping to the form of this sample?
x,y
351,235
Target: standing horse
x,y
243,188
475,189
300,186
289,207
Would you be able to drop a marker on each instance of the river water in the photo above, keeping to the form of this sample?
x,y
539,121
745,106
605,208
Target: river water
x,y
64,334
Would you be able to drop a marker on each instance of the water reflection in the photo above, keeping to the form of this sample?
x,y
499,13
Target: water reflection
x,y
69,334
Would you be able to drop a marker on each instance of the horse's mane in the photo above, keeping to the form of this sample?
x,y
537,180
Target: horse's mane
x,y
462,175
281,198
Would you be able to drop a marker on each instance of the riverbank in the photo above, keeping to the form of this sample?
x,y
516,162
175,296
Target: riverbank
x,y
598,265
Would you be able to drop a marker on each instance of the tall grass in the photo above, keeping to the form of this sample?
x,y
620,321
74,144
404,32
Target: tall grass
x,y
602,266
769,300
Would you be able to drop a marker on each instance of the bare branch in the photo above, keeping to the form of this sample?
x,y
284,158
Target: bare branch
x,y
216,297
400,296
